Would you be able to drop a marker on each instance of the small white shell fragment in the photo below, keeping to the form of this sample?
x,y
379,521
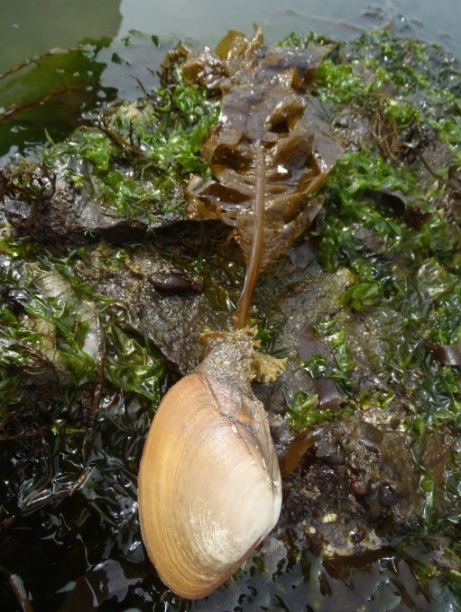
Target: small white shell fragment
x,y
330,518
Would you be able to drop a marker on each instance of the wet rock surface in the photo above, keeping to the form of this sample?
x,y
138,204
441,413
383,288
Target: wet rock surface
x,y
68,215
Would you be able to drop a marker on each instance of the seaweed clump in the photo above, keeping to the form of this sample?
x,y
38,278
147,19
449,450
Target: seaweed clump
x,y
270,150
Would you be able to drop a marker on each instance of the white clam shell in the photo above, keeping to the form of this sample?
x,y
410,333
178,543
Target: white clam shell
x,y
209,484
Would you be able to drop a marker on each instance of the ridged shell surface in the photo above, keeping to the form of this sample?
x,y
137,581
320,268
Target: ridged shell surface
x,y
209,484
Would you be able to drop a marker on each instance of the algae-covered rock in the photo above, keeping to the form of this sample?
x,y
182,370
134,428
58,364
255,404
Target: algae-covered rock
x,y
106,288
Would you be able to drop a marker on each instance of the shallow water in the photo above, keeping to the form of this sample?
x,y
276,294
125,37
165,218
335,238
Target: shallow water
x,y
34,28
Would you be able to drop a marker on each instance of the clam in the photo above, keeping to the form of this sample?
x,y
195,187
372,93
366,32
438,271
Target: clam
x,y
209,481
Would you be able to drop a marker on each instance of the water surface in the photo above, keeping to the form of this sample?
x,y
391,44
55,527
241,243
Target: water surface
x,y
34,28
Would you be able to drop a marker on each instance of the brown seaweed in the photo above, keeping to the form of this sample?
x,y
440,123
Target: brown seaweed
x,y
269,153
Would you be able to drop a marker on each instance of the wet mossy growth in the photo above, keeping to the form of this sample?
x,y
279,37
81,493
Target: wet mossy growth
x,y
85,336
80,380
391,222
134,160
131,160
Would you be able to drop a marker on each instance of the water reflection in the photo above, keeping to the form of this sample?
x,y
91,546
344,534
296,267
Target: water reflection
x,y
33,28
49,96
208,20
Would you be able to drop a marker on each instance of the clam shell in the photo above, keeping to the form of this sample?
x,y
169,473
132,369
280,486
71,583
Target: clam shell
x,y
209,484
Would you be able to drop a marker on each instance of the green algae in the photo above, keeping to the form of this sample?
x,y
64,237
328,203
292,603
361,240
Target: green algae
x,y
45,329
134,160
